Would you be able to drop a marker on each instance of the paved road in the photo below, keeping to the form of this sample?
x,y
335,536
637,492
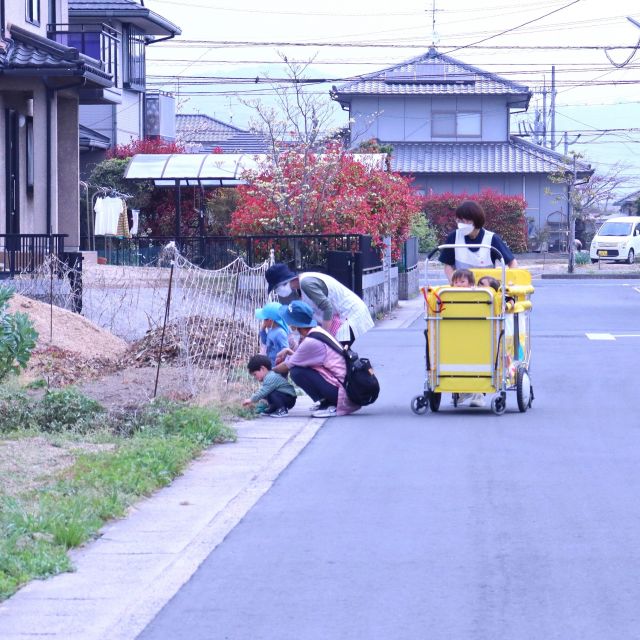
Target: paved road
x,y
456,525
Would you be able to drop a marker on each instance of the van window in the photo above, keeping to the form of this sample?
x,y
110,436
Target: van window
x,y
615,229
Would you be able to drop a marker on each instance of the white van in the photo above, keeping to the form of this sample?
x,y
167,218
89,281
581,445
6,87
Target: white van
x,y
617,239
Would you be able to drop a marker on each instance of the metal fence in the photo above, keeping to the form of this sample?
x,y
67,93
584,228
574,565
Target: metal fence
x,y
214,252
25,252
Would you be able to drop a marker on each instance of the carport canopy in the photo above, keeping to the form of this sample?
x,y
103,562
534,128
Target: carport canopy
x,y
192,169
210,169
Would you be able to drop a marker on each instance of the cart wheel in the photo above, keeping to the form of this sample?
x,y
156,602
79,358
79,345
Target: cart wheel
x,y
419,405
498,404
434,401
455,398
524,390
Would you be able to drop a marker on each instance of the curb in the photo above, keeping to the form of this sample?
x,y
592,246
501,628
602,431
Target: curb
x,y
590,276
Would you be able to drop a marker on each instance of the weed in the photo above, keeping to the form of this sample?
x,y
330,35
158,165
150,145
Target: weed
x,y
67,409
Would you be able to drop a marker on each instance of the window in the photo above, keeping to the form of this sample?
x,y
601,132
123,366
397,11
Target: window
x,y
30,155
33,11
134,67
463,124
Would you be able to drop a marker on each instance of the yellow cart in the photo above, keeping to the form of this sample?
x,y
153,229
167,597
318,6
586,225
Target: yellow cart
x,y
478,340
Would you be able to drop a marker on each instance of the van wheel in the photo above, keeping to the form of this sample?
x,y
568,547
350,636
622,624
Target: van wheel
x,y
631,258
593,261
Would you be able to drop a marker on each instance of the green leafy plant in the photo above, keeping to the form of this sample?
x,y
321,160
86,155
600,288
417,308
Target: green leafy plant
x,y
426,233
582,257
17,337
16,409
67,409
200,424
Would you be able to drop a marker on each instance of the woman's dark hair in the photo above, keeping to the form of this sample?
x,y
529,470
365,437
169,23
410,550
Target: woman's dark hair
x,y
256,362
471,210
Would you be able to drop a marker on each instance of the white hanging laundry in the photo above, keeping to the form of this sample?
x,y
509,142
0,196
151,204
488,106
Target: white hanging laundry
x,y
107,215
135,214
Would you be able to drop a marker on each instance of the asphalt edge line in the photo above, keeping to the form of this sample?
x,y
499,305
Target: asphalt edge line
x,y
133,620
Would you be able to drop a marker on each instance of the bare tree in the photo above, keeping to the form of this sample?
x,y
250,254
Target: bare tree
x,y
586,194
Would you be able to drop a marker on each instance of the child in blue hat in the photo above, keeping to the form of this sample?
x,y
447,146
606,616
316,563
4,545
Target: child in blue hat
x,y
274,332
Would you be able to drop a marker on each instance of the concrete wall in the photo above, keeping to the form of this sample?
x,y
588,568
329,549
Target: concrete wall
x,y
408,284
375,290
68,167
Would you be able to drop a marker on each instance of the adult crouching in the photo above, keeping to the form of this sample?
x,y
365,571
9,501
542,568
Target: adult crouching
x,y
314,366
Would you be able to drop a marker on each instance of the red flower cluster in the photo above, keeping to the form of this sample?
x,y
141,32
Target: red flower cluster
x,y
327,193
144,145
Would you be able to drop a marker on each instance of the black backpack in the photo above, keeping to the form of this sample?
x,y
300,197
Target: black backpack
x,y
360,383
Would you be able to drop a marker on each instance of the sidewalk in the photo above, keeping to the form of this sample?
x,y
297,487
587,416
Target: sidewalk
x,y
127,575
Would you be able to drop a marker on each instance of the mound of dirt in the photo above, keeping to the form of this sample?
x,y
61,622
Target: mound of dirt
x,y
69,332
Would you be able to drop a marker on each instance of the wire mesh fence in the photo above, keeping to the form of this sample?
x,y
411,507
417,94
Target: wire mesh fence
x,y
197,325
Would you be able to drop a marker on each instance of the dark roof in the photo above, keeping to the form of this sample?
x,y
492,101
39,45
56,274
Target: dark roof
x,y
127,11
432,73
210,133
630,199
245,142
90,139
29,54
198,127
514,156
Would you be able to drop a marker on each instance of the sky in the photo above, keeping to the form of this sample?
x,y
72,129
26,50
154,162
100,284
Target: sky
x,y
226,45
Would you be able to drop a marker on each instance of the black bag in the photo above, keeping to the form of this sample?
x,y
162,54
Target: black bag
x,y
360,383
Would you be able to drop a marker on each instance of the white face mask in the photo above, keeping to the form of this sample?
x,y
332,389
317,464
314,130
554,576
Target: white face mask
x,y
284,290
465,227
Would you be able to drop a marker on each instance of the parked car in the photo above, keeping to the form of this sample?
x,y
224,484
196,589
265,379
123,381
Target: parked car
x,y
617,239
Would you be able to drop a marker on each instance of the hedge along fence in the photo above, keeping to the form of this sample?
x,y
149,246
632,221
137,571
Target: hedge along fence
x,y
505,215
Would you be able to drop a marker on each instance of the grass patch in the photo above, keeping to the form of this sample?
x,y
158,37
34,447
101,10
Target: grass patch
x,y
37,527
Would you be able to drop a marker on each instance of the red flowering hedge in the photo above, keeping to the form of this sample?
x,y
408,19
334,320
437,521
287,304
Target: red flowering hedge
x,y
505,215
330,193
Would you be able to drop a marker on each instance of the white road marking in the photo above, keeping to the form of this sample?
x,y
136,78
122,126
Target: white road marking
x,y
600,336
637,289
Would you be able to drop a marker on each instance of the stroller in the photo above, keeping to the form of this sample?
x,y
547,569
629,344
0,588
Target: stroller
x,y
478,340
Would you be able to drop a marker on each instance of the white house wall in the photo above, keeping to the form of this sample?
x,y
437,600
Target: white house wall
x,y
129,117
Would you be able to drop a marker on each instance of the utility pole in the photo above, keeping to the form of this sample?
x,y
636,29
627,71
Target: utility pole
x,y
572,218
544,113
553,107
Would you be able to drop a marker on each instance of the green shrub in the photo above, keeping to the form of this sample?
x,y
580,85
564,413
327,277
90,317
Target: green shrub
x,y
17,337
16,410
426,233
582,257
67,410
198,424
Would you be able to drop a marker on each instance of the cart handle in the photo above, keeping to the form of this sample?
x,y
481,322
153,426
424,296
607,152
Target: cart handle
x,y
464,246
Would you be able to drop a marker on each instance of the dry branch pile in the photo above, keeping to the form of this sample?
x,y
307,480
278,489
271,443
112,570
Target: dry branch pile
x,y
212,342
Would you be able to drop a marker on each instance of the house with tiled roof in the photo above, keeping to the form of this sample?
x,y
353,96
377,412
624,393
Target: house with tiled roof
x,y
117,32
448,123
202,133
630,204
41,79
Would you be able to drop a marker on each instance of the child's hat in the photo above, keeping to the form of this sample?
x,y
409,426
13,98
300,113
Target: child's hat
x,y
270,311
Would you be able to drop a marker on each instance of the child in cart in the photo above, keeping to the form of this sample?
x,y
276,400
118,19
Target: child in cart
x,y
465,278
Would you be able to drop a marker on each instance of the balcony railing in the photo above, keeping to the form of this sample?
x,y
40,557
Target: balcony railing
x,y
98,41
25,252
